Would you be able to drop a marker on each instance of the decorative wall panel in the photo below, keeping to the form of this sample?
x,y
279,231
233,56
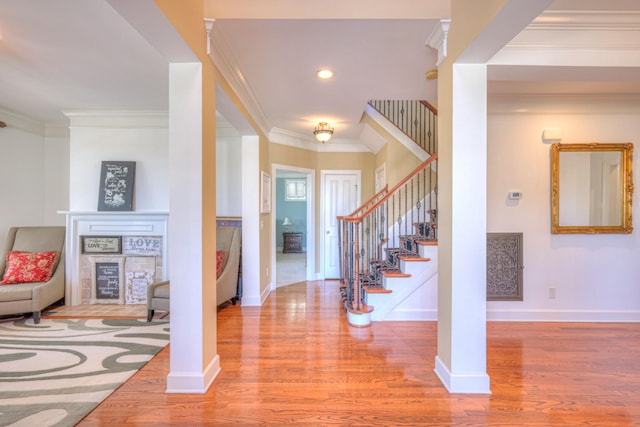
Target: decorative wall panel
x,y
504,267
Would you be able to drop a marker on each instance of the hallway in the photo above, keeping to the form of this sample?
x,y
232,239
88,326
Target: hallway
x,y
296,361
290,268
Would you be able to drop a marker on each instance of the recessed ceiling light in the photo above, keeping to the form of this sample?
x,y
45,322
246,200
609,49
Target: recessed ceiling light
x,y
325,73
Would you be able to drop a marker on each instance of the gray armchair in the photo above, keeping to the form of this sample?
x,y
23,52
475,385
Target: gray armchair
x,y
157,298
33,297
228,240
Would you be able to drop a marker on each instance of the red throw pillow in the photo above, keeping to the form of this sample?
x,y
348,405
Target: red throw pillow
x,y
26,267
220,258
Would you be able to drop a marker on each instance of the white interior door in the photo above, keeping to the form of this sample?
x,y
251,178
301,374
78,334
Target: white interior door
x,y
381,177
341,191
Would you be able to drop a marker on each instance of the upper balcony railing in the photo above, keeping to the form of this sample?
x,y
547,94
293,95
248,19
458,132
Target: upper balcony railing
x,y
416,119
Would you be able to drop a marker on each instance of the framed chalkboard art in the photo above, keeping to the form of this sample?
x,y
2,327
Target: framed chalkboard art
x,y
116,186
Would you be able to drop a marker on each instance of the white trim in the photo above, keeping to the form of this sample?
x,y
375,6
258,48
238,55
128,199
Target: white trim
x,y
295,139
134,119
223,57
497,315
412,315
468,383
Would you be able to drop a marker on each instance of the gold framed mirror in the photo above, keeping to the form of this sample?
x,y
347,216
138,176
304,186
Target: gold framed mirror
x,y
591,188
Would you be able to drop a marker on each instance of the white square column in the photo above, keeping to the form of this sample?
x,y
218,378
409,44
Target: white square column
x,y
190,333
461,360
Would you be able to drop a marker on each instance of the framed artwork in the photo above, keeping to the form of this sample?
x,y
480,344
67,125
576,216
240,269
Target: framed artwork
x,y
265,193
101,244
107,278
116,186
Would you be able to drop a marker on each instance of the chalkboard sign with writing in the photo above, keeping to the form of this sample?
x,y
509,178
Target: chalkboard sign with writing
x,y
107,280
116,186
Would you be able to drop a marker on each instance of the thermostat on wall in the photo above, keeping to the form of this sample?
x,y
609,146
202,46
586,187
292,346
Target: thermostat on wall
x,y
515,195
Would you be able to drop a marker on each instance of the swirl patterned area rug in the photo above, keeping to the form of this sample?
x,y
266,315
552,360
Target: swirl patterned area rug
x,y
56,372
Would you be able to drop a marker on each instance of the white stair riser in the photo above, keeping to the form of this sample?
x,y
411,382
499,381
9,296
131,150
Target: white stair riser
x,y
403,300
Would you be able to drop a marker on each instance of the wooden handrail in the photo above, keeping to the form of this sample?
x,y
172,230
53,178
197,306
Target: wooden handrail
x,y
393,190
365,204
431,108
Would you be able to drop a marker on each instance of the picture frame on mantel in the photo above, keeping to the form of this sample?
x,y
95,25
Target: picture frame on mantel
x,y
117,181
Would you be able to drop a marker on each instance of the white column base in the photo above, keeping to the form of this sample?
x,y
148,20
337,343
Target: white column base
x,y
192,382
468,383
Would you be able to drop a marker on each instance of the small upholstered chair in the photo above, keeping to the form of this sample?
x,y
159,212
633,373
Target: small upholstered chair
x,y
157,298
32,270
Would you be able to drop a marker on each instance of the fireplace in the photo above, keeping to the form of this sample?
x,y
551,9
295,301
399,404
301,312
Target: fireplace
x,y
111,257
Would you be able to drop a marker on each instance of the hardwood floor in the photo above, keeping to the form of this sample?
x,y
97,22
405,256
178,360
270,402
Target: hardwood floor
x,y
296,361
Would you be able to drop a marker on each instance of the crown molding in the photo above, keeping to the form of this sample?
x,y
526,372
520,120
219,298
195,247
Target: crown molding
x,y
118,118
587,20
564,104
587,30
294,139
226,62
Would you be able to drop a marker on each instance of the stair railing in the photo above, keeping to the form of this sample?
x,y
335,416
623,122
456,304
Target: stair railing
x,y
415,118
342,244
388,226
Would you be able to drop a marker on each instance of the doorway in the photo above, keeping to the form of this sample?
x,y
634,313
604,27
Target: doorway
x,y
293,227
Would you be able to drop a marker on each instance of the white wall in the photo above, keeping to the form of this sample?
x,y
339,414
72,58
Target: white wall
x,y
34,170
228,175
597,277
128,137
22,164
56,174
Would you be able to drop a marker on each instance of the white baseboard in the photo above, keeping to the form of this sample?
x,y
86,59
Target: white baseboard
x,y
563,315
425,315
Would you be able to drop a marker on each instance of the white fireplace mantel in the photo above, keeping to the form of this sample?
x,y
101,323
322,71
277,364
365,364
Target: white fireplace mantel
x,y
94,223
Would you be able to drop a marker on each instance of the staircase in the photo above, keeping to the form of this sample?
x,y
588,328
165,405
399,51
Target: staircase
x,y
389,244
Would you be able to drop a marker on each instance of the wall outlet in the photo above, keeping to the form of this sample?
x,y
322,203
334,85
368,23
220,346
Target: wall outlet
x,y
266,271
552,292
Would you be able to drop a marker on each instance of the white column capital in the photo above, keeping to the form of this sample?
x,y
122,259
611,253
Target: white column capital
x,y
438,39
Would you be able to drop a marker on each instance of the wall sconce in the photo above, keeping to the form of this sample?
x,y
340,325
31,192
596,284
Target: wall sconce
x,y
323,132
551,136
286,223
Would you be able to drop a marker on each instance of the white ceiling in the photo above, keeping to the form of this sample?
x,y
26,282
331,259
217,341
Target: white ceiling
x,y
61,55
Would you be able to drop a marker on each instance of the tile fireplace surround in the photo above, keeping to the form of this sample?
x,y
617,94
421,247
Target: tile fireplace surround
x,y
142,258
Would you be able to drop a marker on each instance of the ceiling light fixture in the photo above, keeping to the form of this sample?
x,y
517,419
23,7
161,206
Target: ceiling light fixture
x,y
323,132
325,73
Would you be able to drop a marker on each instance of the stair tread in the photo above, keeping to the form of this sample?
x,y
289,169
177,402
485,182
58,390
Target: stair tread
x,y
395,274
376,290
427,242
413,258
